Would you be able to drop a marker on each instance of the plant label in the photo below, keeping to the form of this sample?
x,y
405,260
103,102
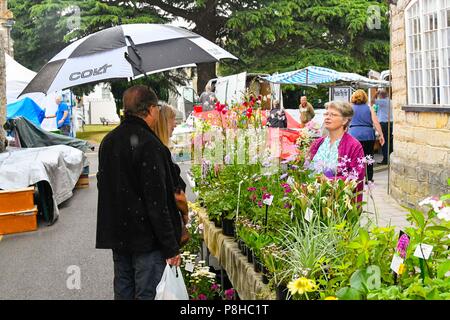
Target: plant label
x,y
189,267
290,181
268,201
396,263
308,214
423,251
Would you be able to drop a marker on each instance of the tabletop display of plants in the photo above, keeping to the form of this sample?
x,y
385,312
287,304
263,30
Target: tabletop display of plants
x,y
306,231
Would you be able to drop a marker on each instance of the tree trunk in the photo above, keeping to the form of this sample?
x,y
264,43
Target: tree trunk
x,y
2,96
205,71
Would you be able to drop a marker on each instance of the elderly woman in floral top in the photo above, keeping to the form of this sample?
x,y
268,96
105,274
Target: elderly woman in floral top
x,y
339,155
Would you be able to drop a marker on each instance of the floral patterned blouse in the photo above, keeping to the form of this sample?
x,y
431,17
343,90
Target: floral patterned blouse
x,y
327,156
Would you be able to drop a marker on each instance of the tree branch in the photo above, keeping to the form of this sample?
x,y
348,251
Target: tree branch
x,y
183,13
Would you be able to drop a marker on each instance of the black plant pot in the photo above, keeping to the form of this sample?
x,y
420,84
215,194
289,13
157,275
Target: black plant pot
x,y
228,227
249,255
244,248
265,274
281,292
256,264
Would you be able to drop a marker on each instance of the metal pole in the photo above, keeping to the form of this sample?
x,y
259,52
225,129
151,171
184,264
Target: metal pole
x,y
390,102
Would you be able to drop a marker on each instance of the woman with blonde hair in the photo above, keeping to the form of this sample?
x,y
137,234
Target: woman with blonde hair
x,y
362,126
166,123
164,128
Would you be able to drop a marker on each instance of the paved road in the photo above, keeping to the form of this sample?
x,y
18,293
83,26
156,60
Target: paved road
x,y
35,265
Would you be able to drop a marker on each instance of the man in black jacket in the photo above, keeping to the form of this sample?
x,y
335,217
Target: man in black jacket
x,y
137,215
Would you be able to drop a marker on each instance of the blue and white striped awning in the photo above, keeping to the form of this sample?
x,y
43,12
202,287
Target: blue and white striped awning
x,y
317,75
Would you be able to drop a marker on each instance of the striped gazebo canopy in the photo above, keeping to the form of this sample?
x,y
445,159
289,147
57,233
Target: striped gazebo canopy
x,y
318,76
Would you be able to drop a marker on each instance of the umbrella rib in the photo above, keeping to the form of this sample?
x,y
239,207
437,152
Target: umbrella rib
x,y
133,46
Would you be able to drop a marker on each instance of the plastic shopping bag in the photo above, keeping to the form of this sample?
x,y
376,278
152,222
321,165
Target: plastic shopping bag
x,y
171,286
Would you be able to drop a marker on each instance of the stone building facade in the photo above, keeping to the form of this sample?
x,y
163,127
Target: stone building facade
x,y
420,163
6,23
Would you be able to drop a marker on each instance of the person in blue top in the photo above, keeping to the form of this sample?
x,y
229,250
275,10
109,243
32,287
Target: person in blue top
x,y
62,117
362,126
385,117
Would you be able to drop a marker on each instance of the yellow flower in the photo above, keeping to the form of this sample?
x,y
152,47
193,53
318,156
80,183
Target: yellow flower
x,y
301,286
331,298
401,268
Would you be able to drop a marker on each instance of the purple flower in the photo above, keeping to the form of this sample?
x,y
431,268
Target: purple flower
x,y
402,245
266,196
201,296
251,189
260,204
229,294
287,205
214,287
370,160
283,176
329,173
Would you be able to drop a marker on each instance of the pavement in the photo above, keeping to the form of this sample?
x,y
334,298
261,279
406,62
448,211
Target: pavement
x,y
47,263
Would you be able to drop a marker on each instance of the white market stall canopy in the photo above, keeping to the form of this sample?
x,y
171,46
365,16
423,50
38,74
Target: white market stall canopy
x,y
320,76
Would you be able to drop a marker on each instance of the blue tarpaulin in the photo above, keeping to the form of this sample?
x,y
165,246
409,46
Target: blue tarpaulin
x,y
317,75
26,108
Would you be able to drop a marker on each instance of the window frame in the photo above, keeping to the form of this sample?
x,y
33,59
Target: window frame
x,y
433,43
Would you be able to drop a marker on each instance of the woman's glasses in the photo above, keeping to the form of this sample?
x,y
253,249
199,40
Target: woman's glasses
x,y
331,115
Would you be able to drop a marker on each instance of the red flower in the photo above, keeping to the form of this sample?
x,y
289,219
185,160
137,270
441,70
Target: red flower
x,y
249,112
245,104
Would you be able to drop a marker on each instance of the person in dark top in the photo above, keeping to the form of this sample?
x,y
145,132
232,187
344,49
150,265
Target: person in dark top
x,y
277,117
137,216
362,126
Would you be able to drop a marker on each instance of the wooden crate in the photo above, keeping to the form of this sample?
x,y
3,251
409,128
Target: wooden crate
x,y
17,200
16,222
83,182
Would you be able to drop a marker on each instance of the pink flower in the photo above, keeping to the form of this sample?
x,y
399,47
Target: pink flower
x,y
251,189
201,296
229,294
402,245
214,287
266,196
260,204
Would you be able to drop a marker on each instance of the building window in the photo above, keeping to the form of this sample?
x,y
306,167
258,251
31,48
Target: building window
x,y
428,52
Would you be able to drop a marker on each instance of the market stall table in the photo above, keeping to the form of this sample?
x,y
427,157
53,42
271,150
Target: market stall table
x,y
245,280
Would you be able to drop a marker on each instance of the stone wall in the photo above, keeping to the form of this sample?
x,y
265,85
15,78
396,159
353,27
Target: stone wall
x,y
420,163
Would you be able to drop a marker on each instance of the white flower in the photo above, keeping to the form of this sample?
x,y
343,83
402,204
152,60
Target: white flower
x,y
436,204
444,214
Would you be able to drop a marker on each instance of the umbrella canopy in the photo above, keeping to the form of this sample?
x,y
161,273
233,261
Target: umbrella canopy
x,y
317,75
124,51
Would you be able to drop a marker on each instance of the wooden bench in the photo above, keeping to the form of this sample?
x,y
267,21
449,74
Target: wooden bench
x,y
105,121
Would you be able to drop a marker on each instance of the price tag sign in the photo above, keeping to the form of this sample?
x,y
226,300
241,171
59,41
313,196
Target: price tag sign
x,y
268,201
189,267
396,263
308,214
423,251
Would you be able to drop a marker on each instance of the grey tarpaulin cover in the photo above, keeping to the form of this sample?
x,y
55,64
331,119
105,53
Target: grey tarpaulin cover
x,y
61,166
32,136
